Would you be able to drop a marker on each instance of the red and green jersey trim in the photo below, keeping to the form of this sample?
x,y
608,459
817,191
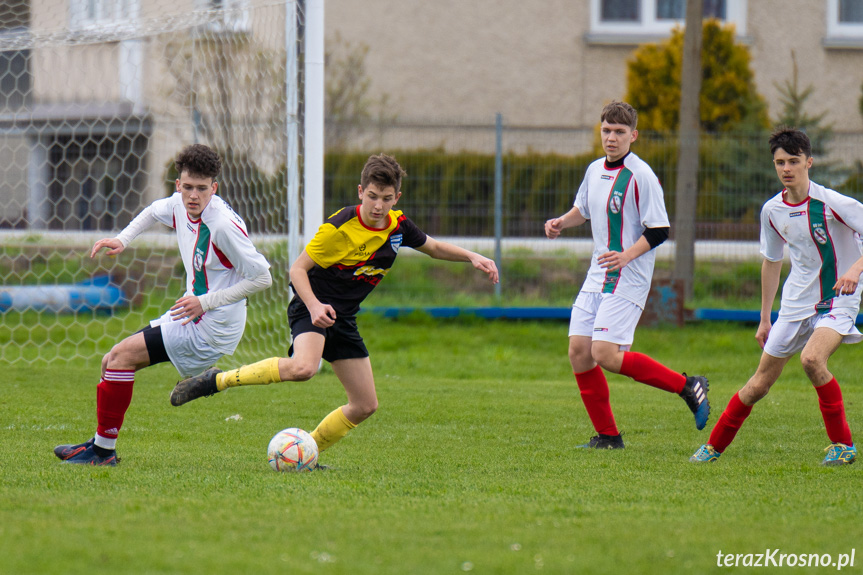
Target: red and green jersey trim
x,y
614,217
824,243
199,260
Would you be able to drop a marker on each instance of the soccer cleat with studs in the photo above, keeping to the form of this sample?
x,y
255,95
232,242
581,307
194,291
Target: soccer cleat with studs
x,y
705,454
201,385
64,452
90,457
603,441
840,454
695,395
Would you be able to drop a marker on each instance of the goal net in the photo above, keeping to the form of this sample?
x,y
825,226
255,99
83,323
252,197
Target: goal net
x,y
96,99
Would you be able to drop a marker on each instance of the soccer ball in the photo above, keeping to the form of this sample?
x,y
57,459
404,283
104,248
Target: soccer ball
x,y
292,449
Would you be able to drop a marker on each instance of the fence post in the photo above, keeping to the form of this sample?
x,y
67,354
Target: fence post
x,y
687,162
498,200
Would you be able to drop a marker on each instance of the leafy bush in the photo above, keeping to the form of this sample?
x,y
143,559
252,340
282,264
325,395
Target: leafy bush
x,y
728,97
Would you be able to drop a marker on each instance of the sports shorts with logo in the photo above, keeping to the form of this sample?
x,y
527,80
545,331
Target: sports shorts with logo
x,y
604,317
788,337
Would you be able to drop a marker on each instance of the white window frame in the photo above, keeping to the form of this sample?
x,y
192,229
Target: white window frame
x,y
650,27
840,34
90,14
236,16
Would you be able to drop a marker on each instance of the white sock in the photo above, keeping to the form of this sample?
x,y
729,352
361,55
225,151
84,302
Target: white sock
x,y
106,442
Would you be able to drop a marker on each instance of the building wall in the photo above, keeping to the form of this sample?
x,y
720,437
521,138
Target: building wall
x,y
453,60
14,152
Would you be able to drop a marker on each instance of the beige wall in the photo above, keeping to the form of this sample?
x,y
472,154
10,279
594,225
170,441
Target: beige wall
x,y
455,60
467,60
88,74
14,152
835,74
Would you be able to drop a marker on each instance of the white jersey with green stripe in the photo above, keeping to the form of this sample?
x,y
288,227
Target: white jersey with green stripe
x,y
621,200
820,234
216,252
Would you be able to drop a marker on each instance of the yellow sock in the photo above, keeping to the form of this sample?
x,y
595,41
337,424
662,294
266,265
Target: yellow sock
x,y
261,373
331,429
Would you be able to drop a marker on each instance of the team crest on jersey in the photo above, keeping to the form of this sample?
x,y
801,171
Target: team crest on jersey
x,y
819,233
396,242
615,203
198,260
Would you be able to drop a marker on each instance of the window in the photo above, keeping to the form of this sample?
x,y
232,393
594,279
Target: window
x,y
851,11
637,21
84,14
844,24
14,64
14,79
233,15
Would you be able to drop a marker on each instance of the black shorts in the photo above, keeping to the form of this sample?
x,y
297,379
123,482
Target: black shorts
x,y
343,340
155,344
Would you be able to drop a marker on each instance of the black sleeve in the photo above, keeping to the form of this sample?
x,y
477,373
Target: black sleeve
x,y
655,236
412,236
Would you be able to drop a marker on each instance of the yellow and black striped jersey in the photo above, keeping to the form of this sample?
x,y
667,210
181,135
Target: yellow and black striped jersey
x,y
353,258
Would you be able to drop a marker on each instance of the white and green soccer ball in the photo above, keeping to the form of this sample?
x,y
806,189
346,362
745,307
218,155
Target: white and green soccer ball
x,y
292,449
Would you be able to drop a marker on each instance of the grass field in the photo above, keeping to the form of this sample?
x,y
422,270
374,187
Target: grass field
x,y
469,465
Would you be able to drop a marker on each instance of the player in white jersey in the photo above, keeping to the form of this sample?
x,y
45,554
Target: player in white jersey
x,y
820,298
623,199
207,322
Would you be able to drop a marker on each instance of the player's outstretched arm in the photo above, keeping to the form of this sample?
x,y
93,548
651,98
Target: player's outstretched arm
x,y
113,245
770,278
570,219
449,252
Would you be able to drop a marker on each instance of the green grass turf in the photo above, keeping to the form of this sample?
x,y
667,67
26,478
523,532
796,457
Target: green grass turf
x,y
469,465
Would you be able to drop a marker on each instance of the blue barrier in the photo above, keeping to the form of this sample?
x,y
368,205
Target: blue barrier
x,y
93,294
483,312
563,313
752,316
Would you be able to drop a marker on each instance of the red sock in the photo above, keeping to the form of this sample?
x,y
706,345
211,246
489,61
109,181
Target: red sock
x,y
729,423
833,412
594,393
113,396
643,369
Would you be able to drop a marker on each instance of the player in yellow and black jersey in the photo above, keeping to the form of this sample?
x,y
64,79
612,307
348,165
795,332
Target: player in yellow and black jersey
x,y
352,258
350,254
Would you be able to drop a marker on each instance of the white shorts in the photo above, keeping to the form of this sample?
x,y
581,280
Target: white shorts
x,y
186,346
788,337
604,317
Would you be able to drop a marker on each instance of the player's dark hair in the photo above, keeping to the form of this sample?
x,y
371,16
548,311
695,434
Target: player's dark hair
x,y
198,161
383,171
792,140
619,113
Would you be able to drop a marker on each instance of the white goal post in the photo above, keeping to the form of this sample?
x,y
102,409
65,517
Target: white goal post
x,y
96,99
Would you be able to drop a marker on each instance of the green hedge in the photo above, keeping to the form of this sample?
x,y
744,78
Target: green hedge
x,y
452,194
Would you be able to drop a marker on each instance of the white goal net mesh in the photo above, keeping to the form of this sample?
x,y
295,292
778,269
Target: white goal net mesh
x,y
96,99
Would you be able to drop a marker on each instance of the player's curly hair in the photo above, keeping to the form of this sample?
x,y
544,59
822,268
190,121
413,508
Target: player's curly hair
x,y
619,113
198,161
383,171
792,140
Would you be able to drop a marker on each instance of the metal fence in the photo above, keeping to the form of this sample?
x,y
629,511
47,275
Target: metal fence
x,y
450,193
